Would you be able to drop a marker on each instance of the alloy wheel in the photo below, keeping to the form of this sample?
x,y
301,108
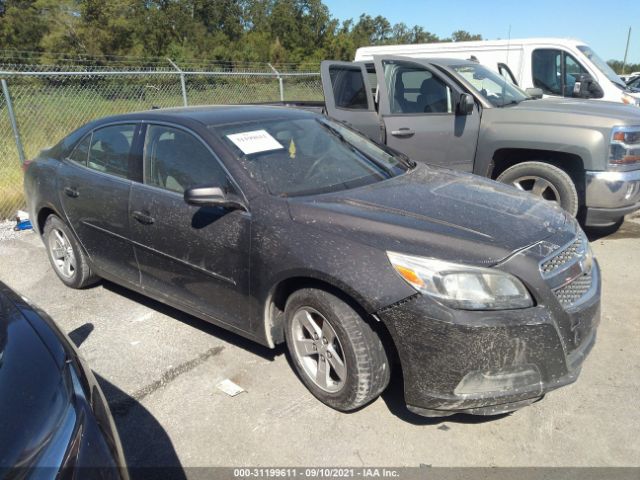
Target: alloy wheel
x,y
62,253
538,186
318,349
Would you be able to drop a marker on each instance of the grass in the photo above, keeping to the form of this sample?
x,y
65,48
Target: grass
x,y
46,112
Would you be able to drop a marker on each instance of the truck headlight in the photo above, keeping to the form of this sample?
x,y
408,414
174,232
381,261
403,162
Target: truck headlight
x,y
462,286
624,149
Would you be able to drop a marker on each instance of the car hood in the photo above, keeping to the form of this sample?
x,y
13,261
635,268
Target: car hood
x,y
618,112
436,213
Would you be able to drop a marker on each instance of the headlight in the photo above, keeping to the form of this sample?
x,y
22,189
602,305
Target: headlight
x,y
630,100
624,150
462,286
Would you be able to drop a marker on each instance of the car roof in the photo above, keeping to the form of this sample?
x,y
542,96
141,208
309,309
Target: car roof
x,y
211,115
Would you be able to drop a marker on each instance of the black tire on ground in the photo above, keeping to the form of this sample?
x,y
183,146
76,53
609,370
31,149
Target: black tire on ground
x,y
80,275
367,366
554,180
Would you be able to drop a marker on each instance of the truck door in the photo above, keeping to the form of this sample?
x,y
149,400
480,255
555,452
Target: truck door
x,y
418,106
348,98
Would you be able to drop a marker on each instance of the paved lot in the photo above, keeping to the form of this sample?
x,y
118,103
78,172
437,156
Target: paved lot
x,y
159,368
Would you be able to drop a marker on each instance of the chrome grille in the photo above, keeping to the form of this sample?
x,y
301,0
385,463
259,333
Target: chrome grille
x,y
575,290
573,251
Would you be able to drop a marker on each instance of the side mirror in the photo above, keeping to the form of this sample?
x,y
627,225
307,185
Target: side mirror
x,y
534,93
212,197
587,87
466,104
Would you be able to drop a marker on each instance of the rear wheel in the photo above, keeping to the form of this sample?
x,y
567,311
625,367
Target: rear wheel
x,y
67,258
545,181
337,355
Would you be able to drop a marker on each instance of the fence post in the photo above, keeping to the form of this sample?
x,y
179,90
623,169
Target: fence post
x,y
14,123
280,82
183,84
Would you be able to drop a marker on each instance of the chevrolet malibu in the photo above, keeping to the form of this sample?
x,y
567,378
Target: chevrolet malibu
x,y
286,227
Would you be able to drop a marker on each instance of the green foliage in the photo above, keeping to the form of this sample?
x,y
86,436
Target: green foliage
x,y
628,68
276,31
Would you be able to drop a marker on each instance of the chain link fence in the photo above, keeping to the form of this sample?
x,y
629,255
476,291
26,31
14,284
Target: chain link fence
x,y
50,102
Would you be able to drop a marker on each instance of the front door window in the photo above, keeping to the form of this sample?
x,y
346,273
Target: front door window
x,y
555,72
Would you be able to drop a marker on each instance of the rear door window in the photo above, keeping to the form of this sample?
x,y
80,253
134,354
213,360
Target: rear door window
x,y
110,149
80,153
349,87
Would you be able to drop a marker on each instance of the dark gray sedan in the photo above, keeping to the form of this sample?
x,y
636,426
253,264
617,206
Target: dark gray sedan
x,y
284,226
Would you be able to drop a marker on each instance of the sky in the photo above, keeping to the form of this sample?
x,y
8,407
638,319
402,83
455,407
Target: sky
x,y
602,25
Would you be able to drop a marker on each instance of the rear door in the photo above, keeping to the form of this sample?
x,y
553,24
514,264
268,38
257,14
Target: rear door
x,y
348,97
194,256
418,107
94,183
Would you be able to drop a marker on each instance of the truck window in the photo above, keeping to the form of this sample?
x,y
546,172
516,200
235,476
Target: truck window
x,y
555,71
348,87
413,89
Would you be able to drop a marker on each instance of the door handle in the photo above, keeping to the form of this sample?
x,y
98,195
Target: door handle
x,y
71,192
403,132
143,217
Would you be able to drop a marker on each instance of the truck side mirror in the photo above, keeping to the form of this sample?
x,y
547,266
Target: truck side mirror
x,y
587,87
466,104
534,93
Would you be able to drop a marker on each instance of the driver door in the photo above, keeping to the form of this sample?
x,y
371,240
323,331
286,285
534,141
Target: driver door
x,y
418,106
193,256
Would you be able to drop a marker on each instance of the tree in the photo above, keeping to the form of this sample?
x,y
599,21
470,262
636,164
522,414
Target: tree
x,y
464,36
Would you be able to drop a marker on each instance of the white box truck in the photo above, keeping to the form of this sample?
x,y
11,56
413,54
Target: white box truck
x,y
560,67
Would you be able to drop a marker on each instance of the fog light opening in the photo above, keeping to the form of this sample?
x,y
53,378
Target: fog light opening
x,y
515,378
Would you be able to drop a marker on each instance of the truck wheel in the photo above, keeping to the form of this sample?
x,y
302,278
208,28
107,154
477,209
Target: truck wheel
x,y
336,354
67,258
545,181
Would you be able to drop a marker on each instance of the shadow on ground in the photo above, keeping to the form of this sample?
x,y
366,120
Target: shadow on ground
x,y
202,325
148,450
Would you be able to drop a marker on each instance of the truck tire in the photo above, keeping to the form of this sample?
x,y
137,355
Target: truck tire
x,y
336,354
545,181
66,257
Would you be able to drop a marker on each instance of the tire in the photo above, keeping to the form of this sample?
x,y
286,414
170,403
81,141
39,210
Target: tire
x,y
366,370
66,257
545,181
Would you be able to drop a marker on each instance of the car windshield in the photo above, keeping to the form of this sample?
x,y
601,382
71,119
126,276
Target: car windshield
x,y
498,91
602,65
309,155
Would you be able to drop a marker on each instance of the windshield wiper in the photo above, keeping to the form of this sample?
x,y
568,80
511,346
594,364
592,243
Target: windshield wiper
x,y
355,149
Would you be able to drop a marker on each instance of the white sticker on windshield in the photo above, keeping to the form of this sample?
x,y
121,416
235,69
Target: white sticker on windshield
x,y
255,141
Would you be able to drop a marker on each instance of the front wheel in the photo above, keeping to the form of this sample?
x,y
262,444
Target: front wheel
x,y
544,180
337,355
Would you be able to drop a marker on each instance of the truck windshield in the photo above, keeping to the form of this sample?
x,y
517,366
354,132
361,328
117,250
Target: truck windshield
x,y
309,155
602,65
490,85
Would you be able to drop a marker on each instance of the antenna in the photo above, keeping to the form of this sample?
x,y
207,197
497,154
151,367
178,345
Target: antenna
x,y
626,50
508,44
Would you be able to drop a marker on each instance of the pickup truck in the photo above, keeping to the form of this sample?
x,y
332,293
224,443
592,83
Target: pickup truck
x,y
585,156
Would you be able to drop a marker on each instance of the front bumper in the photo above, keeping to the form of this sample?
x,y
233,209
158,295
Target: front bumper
x,y
488,362
609,196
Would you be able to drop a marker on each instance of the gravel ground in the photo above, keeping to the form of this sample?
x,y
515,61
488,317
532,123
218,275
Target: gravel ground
x,y
6,230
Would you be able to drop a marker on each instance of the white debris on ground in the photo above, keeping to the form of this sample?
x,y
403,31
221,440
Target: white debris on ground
x,y
6,230
230,388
